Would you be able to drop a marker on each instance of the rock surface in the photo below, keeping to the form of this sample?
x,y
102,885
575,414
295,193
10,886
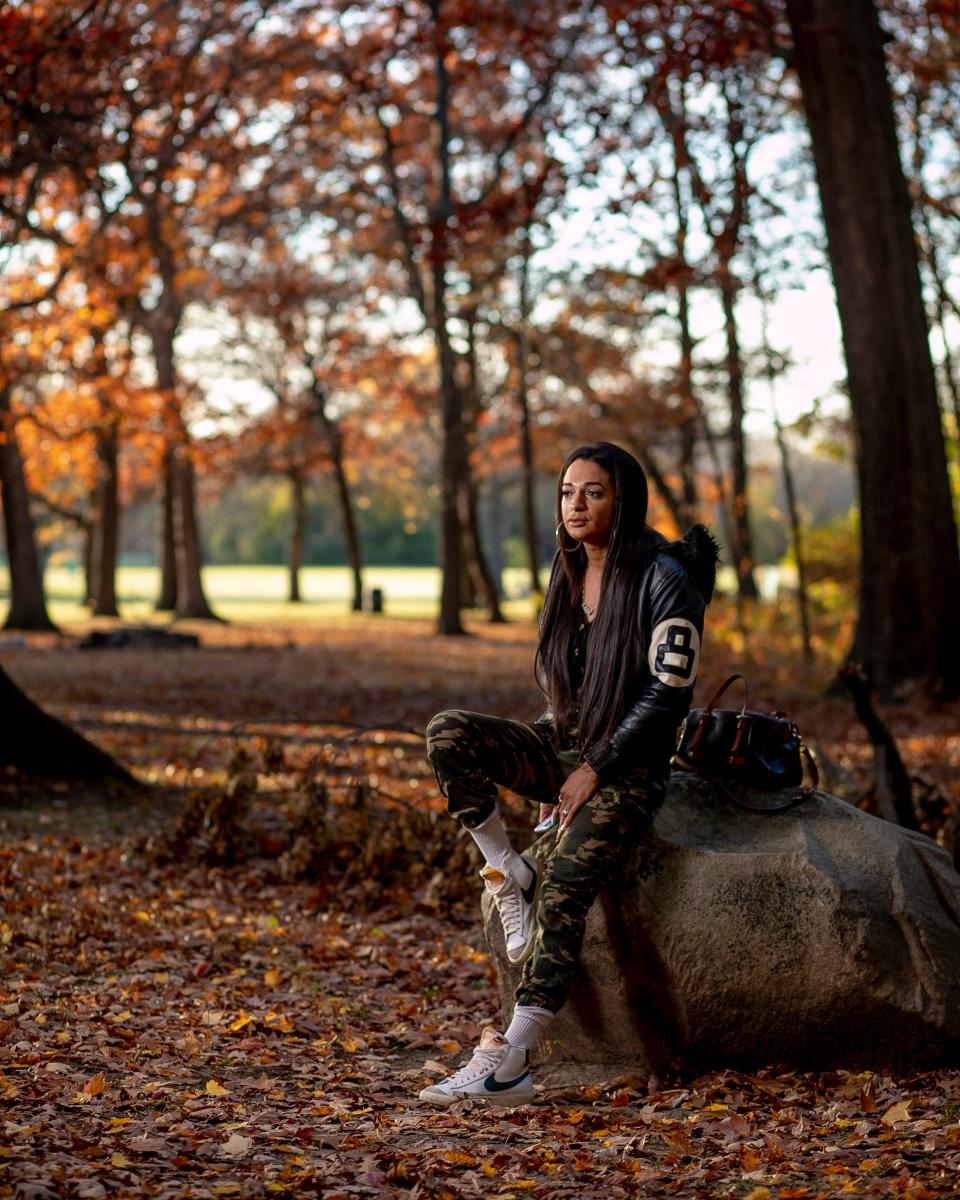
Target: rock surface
x,y
817,937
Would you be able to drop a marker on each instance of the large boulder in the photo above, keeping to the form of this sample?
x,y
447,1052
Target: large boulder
x,y
817,937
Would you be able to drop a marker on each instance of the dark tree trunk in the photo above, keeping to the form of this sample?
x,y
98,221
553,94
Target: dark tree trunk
x,y
163,324
910,564
37,744
298,508
690,408
190,599
453,453
793,511
350,534
453,464
108,525
529,483
742,548
528,467
724,506
470,586
167,600
690,501
28,608
89,557
486,582
334,440
667,494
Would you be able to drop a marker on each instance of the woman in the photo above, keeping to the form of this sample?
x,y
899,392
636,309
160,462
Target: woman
x,y
617,658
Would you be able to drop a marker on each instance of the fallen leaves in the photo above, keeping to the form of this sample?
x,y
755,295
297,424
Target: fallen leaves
x,y
896,1112
167,1024
236,1145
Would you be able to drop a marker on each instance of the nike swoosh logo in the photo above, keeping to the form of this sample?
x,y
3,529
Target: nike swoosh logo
x,y
530,890
493,1084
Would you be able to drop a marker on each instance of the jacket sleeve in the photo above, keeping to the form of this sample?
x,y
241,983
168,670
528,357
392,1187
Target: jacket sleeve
x,y
673,626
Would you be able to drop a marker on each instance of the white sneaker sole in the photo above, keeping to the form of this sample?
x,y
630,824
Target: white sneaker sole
x,y
510,1099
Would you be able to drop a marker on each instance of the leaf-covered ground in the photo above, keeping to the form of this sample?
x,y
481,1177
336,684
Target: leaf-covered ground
x,y
174,1028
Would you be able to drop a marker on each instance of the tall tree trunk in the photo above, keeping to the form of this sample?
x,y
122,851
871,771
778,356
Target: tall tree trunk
x,y
471,595
689,406
910,563
690,500
191,601
35,743
742,547
668,495
528,467
724,506
108,524
28,607
89,557
486,582
167,599
298,528
453,451
334,440
793,511
350,534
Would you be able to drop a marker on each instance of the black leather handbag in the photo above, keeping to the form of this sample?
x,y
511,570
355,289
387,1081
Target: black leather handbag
x,y
763,751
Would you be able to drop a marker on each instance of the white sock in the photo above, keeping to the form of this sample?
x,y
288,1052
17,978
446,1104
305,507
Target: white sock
x,y
527,1026
494,845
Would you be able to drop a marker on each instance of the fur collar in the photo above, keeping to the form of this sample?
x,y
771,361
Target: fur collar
x,y
699,552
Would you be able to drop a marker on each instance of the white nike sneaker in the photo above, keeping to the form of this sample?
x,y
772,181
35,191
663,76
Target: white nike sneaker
x,y
498,1073
517,907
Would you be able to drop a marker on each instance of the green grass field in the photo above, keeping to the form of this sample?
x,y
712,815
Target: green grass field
x,y
258,593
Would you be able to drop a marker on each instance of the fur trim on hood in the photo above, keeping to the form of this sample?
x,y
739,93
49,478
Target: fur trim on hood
x,y
699,552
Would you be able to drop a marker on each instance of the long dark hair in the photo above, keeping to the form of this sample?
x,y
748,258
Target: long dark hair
x,y
615,655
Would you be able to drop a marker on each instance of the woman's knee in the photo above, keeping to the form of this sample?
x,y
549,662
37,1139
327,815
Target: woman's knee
x,y
448,730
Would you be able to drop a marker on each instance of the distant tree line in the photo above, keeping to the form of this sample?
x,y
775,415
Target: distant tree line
x,y
270,238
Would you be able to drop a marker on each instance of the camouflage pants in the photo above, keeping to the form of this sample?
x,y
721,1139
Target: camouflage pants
x,y
472,756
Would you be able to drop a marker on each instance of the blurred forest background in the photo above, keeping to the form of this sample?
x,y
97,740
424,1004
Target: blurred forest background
x,y
288,283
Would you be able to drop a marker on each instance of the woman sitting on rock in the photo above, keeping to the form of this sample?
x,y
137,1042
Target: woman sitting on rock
x,y
617,658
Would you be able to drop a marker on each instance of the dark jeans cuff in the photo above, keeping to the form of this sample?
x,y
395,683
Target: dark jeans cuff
x,y
470,820
533,999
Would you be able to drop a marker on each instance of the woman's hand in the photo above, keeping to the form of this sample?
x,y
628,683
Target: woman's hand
x,y
580,787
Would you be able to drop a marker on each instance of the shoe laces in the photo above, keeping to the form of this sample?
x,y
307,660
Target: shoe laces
x,y
482,1061
508,905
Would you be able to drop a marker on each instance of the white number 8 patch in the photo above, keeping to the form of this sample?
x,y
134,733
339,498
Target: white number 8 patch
x,y
674,652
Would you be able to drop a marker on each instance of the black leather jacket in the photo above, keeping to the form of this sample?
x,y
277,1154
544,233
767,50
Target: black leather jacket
x,y
675,590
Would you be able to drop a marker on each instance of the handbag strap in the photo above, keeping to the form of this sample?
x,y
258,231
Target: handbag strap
x,y
715,698
812,765
712,704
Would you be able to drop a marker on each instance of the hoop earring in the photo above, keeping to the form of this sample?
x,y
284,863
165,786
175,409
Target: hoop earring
x,y
561,546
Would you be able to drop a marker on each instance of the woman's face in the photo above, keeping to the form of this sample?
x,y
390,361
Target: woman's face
x,y
587,502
